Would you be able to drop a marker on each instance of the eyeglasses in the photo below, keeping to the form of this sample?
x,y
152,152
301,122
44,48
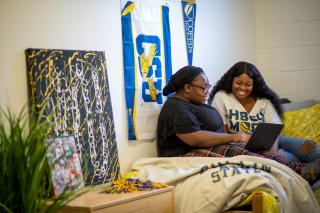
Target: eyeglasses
x,y
204,89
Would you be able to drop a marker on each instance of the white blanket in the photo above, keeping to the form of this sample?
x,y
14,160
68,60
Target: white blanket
x,y
217,184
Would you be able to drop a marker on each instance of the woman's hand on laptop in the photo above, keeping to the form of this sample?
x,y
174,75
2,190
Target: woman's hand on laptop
x,y
241,137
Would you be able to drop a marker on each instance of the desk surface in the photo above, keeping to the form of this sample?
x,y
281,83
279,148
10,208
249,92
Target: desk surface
x,y
95,199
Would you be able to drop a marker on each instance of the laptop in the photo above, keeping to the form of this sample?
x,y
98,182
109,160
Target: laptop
x,y
263,137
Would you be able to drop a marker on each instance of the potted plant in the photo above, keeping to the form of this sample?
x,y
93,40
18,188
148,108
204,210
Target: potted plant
x,y
25,174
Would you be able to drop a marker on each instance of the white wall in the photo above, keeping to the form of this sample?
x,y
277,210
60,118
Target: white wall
x,y
225,33
288,46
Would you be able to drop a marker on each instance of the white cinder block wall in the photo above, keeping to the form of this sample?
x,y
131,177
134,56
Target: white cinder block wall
x,y
288,46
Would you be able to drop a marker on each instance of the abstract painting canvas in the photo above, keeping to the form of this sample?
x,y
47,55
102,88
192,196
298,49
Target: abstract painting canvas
x,y
71,88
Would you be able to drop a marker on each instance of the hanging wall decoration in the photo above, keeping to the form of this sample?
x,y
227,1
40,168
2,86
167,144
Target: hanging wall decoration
x,y
71,88
147,63
189,18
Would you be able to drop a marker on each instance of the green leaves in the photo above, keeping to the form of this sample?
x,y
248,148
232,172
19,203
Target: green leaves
x,y
25,175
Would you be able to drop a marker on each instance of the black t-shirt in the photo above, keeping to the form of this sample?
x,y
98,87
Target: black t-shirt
x,y
178,116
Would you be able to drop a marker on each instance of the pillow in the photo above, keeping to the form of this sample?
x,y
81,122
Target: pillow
x,y
303,123
289,107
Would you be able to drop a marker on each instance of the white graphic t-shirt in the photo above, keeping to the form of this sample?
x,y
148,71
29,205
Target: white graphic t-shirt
x,y
237,118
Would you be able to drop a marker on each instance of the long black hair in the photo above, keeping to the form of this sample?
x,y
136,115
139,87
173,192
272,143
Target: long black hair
x,y
260,88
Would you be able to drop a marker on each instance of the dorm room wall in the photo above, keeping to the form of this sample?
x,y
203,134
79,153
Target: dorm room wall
x,y
288,46
225,33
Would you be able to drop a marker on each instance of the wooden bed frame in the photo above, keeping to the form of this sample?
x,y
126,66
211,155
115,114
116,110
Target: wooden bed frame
x,y
256,205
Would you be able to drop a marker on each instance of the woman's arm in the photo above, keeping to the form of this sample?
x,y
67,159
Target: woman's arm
x,y
206,139
270,114
218,103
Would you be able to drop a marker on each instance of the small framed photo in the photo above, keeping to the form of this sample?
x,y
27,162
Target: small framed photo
x,y
66,167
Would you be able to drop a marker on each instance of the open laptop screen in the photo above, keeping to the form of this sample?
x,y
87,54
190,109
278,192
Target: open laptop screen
x,y
264,137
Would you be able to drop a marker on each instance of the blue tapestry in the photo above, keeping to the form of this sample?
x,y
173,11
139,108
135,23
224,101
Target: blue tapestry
x,y
147,63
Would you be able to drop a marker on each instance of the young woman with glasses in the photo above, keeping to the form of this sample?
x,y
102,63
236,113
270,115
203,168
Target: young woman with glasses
x,y
189,127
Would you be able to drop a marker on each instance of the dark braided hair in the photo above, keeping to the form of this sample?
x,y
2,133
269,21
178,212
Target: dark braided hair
x,y
259,90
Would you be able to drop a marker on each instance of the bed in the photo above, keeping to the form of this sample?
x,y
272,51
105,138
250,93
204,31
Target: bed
x,y
221,184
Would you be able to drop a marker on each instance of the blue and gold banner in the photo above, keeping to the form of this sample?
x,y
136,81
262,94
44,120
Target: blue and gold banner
x,y
147,63
189,18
